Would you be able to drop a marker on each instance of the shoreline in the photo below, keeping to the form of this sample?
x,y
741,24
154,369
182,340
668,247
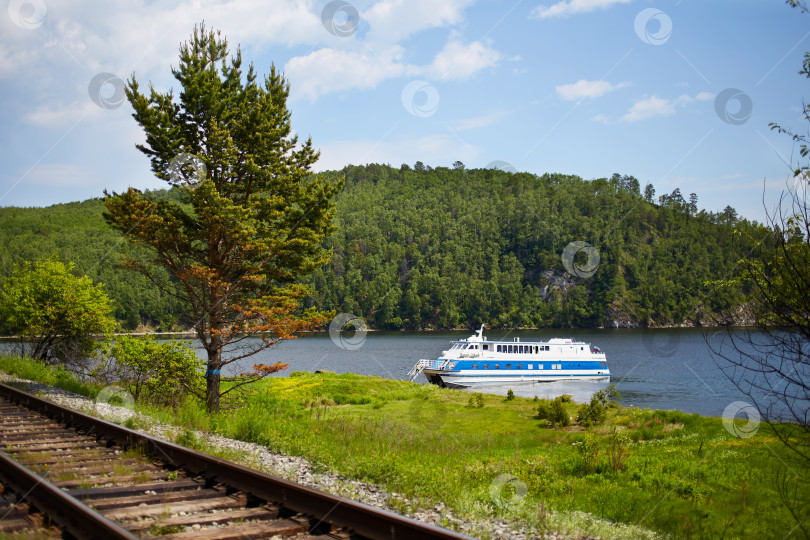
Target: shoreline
x,y
193,334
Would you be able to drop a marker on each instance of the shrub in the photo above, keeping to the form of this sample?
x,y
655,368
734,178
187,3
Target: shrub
x,y
595,412
543,408
510,395
476,400
558,416
588,450
160,373
55,312
617,449
554,411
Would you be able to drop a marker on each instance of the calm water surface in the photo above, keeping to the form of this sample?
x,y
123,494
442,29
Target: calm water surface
x,y
660,369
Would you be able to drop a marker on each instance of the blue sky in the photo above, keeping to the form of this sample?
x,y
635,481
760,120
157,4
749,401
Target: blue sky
x,y
675,93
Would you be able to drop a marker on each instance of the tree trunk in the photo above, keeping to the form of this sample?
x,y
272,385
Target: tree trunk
x,y
213,375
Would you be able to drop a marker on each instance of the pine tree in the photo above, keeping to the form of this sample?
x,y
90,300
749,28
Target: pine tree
x,y
248,220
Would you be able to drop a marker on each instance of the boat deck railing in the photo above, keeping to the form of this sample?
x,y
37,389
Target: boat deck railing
x,y
426,364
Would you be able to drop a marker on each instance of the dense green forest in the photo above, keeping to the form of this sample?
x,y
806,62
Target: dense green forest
x,y
421,247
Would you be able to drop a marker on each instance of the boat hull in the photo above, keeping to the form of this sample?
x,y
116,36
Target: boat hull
x,y
470,378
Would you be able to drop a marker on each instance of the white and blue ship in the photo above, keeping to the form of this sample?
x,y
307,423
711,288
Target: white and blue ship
x,y
479,361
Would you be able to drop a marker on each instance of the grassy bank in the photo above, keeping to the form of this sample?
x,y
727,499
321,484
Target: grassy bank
x,y
673,473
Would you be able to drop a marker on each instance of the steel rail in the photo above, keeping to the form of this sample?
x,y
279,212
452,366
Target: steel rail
x,y
329,509
73,516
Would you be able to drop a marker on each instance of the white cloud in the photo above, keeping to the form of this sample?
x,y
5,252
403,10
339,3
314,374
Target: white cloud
x,y
569,7
648,108
330,70
458,61
391,21
601,118
478,121
586,89
121,36
435,150
655,106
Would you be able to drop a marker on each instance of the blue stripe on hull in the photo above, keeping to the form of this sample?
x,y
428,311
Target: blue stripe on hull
x,y
461,379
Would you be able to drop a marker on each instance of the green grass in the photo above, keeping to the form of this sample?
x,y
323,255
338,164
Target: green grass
x,y
683,475
57,376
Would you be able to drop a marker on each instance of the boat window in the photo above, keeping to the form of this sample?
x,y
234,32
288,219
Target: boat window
x,y
602,364
509,348
486,366
539,366
520,367
485,347
499,348
475,366
508,366
497,366
469,346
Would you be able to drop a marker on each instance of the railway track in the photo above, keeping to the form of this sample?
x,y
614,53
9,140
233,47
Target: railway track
x,y
67,474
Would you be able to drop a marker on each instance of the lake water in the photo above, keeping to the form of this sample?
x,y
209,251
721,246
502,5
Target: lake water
x,y
660,369
655,368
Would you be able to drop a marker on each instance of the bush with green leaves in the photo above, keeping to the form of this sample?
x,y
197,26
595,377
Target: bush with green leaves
x,y
553,410
595,412
476,400
152,371
617,450
588,450
58,316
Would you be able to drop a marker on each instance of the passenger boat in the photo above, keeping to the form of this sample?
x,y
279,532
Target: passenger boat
x,y
479,361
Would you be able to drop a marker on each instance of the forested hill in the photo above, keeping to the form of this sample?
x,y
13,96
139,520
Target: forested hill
x,y
426,248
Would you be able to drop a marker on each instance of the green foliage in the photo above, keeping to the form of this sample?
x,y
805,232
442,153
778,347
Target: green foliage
x,y
588,450
76,232
595,412
476,400
189,439
152,371
58,376
554,411
510,395
60,314
247,221
617,449
406,238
